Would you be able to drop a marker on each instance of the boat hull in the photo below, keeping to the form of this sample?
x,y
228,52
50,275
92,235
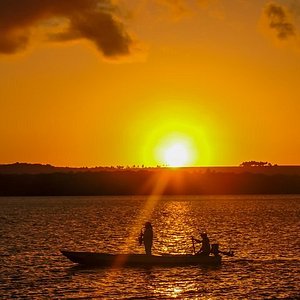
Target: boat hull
x,y
105,259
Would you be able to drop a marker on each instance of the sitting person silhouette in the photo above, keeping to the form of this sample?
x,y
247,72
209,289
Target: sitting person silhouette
x,y
205,247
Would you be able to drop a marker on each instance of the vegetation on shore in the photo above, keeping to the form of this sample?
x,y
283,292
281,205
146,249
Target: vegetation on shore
x,y
185,181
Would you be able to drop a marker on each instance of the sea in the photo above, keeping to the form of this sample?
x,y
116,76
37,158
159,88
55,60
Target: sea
x,y
262,230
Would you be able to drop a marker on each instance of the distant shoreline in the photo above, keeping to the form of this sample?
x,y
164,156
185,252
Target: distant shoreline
x,y
27,168
41,180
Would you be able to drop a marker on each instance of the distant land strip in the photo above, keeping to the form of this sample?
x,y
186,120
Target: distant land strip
x,y
45,180
26,168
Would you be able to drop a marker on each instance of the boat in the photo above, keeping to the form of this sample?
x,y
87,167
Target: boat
x,y
119,260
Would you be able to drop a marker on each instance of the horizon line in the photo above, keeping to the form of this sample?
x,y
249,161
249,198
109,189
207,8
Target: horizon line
x,y
142,166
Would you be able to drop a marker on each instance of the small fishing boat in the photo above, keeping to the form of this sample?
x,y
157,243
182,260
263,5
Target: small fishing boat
x,y
119,260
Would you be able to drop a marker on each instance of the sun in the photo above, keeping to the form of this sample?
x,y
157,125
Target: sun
x,y
176,151
176,155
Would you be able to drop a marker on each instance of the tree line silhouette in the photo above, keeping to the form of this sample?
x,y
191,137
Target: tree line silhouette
x,y
253,163
144,182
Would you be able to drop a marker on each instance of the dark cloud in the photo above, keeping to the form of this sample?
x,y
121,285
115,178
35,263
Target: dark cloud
x,y
279,21
94,20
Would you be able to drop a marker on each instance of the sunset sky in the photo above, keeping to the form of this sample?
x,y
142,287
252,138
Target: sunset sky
x,y
109,82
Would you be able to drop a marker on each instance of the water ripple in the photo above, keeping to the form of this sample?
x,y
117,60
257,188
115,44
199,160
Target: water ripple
x,y
262,230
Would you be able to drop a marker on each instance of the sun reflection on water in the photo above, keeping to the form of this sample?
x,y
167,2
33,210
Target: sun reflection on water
x,y
175,227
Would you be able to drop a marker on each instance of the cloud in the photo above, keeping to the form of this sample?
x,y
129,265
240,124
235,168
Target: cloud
x,y
93,20
279,21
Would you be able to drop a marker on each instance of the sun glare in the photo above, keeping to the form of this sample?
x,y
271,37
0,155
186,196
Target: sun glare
x,y
176,155
176,152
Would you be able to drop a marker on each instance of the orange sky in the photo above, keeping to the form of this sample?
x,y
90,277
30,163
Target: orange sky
x,y
108,82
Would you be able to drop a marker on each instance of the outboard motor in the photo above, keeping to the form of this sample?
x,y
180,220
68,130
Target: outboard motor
x,y
215,249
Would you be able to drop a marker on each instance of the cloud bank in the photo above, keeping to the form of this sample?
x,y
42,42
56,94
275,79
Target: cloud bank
x,y
93,20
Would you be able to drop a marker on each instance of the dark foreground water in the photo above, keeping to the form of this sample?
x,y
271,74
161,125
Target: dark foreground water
x,y
264,232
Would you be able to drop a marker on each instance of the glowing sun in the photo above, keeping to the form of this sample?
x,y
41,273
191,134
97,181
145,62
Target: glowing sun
x,y
176,155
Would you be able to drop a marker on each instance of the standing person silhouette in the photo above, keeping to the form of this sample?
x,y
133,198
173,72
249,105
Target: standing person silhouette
x,y
147,238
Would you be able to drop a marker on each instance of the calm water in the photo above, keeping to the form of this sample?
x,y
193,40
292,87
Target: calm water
x,y
262,230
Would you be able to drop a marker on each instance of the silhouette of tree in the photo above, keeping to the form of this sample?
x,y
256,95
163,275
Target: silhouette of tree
x,y
254,163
